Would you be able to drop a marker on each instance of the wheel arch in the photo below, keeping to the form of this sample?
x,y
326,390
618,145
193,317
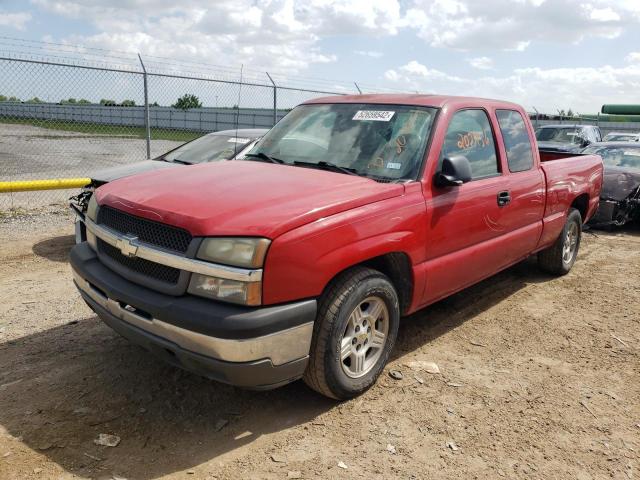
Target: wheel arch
x,y
395,265
581,203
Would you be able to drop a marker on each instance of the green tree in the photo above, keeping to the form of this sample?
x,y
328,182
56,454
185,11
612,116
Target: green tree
x,y
34,100
106,102
570,113
3,98
13,99
84,101
128,103
187,101
154,104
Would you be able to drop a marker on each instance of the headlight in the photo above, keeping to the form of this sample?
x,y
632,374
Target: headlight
x,y
245,293
92,210
238,252
243,252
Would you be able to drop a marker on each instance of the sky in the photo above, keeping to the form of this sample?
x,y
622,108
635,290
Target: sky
x,y
543,54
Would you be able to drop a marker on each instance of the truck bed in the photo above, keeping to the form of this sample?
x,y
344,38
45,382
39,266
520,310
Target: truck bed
x,y
548,155
569,177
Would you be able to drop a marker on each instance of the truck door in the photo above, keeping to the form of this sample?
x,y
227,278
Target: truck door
x,y
466,228
522,216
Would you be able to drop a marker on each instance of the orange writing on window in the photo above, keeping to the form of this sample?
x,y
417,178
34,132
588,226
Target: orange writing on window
x,y
471,140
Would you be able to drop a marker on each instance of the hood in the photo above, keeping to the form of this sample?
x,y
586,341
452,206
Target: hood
x,y
107,175
242,198
559,147
619,182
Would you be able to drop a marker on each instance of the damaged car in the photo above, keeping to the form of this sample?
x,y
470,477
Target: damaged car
x,y
212,147
567,138
620,196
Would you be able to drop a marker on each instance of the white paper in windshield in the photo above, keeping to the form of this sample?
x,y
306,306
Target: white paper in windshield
x,y
238,140
375,115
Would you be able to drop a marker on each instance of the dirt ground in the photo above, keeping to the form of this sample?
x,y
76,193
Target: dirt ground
x,y
539,378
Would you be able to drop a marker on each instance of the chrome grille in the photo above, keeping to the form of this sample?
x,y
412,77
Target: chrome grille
x,y
144,267
147,231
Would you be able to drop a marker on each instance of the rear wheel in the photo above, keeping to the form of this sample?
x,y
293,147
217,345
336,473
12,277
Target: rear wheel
x,y
355,330
560,257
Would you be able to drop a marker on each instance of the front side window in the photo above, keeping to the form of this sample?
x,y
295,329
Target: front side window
x,y
470,135
378,141
516,140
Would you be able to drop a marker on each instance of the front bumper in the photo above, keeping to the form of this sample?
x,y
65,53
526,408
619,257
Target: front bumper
x,y
251,347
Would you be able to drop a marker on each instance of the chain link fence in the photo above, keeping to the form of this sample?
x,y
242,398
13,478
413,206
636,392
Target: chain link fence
x,y
63,117
65,120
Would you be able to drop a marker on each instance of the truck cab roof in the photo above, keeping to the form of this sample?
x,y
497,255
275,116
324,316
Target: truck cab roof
x,y
418,99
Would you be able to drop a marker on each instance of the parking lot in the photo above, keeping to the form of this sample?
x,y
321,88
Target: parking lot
x,y
31,153
538,379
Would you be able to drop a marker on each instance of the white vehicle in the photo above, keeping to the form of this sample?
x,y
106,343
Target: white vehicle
x,y
621,137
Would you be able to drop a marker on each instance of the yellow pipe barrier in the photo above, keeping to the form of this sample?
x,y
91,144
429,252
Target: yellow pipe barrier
x,y
51,184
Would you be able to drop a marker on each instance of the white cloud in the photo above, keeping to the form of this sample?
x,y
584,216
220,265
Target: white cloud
x,y
633,57
17,20
278,34
481,63
582,89
369,53
604,15
514,24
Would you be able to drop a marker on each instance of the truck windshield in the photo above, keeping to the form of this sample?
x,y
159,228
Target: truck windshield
x,y
559,134
207,148
378,141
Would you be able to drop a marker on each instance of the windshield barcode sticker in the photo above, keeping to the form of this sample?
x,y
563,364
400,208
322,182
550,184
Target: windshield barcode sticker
x,y
238,140
375,115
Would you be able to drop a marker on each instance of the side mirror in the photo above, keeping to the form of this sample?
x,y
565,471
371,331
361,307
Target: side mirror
x,y
455,171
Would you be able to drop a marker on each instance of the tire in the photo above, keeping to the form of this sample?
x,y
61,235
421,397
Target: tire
x,y
560,257
345,361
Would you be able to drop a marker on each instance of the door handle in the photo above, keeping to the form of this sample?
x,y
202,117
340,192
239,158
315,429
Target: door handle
x,y
504,198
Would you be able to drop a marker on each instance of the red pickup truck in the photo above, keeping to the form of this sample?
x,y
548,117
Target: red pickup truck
x,y
353,211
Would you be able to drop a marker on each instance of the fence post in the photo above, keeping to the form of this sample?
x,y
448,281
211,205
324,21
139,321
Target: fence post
x,y
146,108
275,99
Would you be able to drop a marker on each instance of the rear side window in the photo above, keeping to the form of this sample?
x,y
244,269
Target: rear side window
x,y
516,140
469,134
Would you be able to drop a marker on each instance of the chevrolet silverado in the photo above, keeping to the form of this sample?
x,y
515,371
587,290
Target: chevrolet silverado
x,y
352,212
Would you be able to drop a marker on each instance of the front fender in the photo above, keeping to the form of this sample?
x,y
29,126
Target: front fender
x,y
303,261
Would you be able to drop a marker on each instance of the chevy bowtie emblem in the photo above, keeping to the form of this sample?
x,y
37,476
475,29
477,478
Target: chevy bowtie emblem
x,y
127,245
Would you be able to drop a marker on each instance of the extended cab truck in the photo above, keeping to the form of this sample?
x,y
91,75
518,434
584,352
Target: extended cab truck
x,y
350,213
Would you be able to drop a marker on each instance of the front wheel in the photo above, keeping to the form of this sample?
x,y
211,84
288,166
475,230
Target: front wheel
x,y
355,330
560,257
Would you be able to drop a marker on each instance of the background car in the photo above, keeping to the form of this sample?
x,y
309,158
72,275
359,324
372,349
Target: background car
x,y
567,138
620,196
212,147
621,137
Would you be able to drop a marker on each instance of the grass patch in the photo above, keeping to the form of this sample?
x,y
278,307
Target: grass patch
x,y
102,129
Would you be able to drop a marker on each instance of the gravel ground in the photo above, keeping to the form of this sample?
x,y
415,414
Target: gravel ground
x,y
31,153
538,379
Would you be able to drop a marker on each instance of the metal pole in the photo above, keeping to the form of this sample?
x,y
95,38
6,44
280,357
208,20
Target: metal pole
x,y
147,123
358,88
537,115
275,99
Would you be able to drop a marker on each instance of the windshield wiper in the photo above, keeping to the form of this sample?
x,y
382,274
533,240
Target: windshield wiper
x,y
328,166
183,162
264,156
